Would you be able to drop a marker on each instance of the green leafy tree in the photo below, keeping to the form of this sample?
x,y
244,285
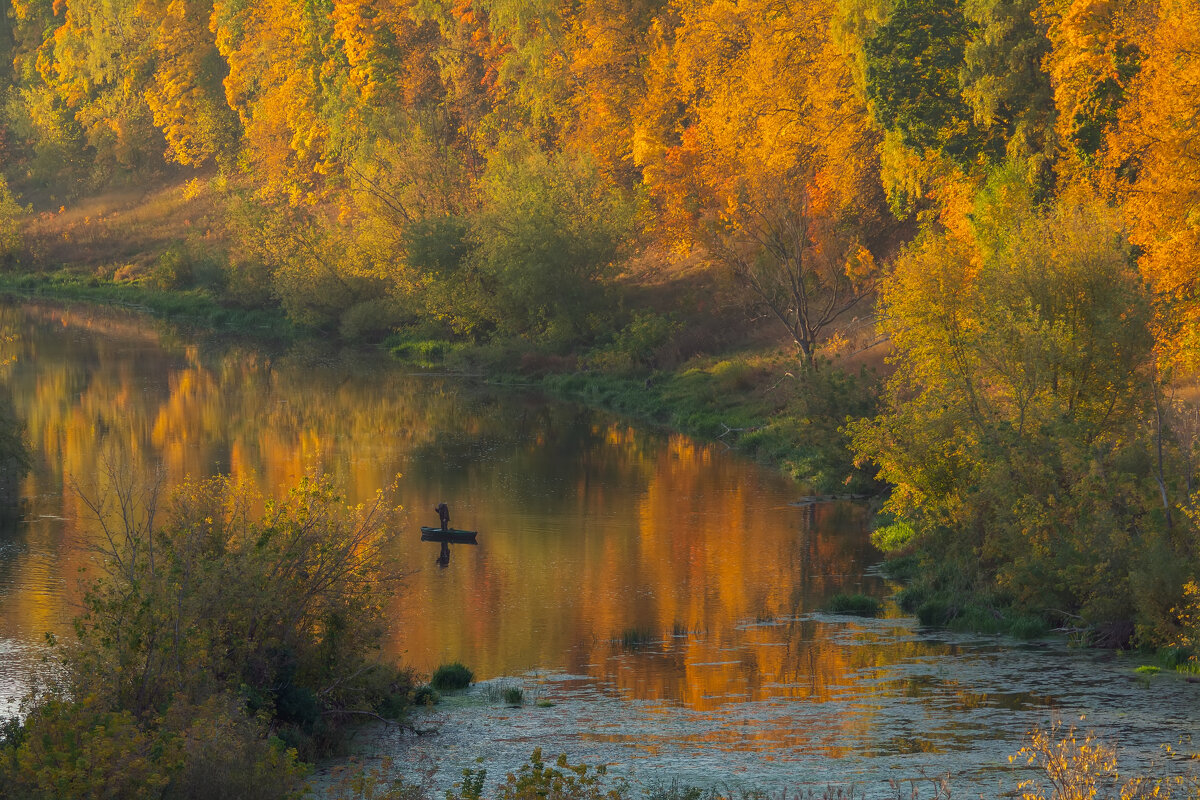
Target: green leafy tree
x,y
11,218
548,238
912,67
1016,430
1004,83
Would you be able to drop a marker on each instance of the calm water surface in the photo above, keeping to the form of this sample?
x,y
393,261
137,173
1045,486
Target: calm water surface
x,y
660,593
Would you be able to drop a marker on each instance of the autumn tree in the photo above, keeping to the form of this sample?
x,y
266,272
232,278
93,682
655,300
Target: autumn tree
x,y
187,95
1017,427
1093,57
1155,157
752,146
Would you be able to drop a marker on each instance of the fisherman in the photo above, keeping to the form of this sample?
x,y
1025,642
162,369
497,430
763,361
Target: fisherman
x,y
443,512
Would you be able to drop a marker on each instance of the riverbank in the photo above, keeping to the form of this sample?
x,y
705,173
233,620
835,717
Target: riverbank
x,y
196,308
754,400
596,529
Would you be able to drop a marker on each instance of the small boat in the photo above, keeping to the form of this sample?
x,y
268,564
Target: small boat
x,y
451,535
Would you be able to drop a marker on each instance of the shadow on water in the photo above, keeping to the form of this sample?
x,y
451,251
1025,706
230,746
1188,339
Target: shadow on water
x,y
14,462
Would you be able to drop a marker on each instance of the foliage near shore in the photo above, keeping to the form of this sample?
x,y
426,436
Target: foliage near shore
x,y
217,647
1056,763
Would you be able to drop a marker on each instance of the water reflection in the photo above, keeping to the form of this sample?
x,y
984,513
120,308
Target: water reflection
x,y
638,568
592,528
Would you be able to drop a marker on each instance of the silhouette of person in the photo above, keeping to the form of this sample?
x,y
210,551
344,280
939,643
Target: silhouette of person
x,y
443,512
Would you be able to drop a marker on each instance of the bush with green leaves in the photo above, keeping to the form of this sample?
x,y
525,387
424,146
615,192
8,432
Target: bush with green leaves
x,y
548,239
173,269
11,214
81,748
1020,429
636,346
283,609
216,647
451,677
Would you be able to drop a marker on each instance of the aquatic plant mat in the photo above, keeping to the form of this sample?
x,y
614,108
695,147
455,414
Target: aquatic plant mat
x,y
963,712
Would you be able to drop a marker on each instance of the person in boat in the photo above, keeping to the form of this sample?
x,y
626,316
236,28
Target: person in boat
x,y
443,512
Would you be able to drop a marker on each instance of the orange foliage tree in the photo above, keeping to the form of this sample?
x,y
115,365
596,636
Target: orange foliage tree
x,y
753,142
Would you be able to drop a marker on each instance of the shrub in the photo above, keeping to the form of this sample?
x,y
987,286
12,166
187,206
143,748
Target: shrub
x,y
936,612
546,240
280,609
451,677
538,779
422,352
11,212
370,319
636,345
902,568
173,269
513,696
426,696
1177,658
893,537
1028,627
80,749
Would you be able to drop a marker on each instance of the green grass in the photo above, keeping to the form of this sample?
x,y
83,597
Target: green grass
x,y
195,307
859,605
424,353
1180,659
903,568
737,402
508,691
426,696
966,612
451,677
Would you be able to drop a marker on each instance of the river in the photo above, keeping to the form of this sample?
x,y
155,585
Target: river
x,y
657,599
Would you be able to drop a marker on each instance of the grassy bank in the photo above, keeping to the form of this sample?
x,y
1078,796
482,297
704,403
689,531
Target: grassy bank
x,y
750,402
755,400
197,307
